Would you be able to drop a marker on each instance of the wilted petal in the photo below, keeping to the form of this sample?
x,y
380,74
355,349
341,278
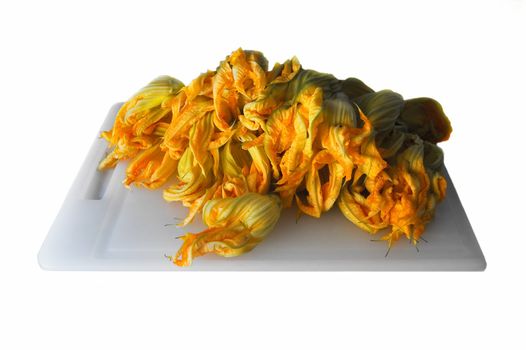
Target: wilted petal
x,y
279,135
199,137
249,77
225,96
323,183
355,208
191,113
260,172
151,168
235,163
283,73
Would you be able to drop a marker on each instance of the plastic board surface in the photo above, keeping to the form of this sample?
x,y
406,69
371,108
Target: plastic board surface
x,y
104,226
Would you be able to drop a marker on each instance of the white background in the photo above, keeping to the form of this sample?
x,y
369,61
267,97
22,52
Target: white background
x,y
64,64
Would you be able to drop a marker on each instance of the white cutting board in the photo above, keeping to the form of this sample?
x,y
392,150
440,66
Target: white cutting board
x,y
104,226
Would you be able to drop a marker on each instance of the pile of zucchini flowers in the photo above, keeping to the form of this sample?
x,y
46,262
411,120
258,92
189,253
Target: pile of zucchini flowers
x,y
241,143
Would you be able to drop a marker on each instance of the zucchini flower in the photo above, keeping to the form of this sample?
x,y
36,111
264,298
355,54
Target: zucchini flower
x,y
235,163
411,185
283,73
321,193
235,226
366,199
382,108
259,175
137,123
185,116
194,187
151,168
238,80
425,117
190,106
296,161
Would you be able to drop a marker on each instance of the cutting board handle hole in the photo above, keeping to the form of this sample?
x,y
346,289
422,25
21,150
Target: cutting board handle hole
x,y
98,185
